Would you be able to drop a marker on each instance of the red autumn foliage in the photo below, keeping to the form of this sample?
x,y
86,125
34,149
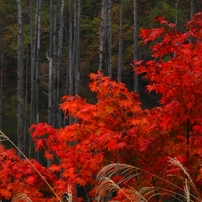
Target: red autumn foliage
x,y
117,129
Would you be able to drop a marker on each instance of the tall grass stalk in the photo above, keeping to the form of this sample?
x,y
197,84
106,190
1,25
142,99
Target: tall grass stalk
x,y
4,137
107,185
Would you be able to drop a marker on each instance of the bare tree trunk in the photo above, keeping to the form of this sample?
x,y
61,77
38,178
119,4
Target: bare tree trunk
x,y
109,37
70,51
105,38
69,81
136,86
55,49
1,78
120,45
59,59
78,48
33,97
20,82
35,48
38,45
50,74
191,15
192,3
26,95
33,64
103,66
176,13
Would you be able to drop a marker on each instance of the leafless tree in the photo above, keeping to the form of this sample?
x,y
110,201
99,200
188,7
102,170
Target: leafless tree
x,y
105,38
20,81
78,48
136,86
120,45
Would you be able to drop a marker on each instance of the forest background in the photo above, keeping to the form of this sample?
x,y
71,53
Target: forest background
x,y
48,48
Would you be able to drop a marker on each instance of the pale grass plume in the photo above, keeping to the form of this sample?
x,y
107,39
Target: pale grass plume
x,y
145,194
21,197
188,181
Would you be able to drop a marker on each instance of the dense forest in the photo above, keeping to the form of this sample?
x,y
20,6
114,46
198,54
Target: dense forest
x,y
48,49
80,37
54,52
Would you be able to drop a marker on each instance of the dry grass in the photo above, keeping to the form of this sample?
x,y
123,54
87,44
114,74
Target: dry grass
x,y
21,197
145,194
3,137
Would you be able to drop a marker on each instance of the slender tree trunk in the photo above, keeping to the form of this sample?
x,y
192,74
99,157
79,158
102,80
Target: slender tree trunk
x,y
191,15
109,37
70,86
38,46
70,50
32,107
192,3
78,48
55,51
1,79
33,64
136,86
20,82
120,45
35,48
59,59
103,66
26,94
176,13
50,74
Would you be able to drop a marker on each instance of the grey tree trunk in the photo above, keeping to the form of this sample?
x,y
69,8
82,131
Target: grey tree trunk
x,y
20,82
176,13
70,50
26,94
35,32
109,37
120,45
136,86
50,73
59,59
105,34
38,46
69,76
33,65
192,3
1,78
55,49
78,48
